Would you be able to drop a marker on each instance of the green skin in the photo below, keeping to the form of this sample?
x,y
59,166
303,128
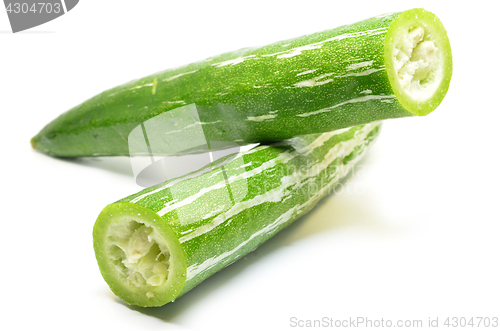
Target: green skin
x,y
283,82
268,188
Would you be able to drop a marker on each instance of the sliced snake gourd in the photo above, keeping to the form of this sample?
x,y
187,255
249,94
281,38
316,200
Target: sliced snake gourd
x,y
156,245
388,66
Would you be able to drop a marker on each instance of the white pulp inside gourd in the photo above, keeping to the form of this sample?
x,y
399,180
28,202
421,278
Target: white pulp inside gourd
x,y
417,63
139,253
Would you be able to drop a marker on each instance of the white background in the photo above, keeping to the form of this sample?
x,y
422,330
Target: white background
x,y
415,234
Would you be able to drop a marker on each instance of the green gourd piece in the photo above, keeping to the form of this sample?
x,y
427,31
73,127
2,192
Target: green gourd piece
x,y
388,66
156,245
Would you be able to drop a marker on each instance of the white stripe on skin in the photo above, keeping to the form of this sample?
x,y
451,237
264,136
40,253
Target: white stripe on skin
x,y
282,158
360,99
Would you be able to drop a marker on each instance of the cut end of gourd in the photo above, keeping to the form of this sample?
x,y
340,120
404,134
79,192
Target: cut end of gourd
x,y
138,254
418,60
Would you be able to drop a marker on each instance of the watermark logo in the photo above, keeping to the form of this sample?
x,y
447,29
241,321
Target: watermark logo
x,y
173,145
25,14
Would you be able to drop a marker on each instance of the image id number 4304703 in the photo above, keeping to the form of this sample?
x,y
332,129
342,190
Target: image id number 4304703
x,y
37,7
